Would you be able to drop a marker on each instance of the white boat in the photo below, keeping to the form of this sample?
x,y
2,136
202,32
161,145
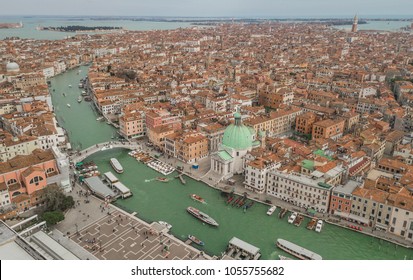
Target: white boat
x,y
168,226
297,251
99,119
116,165
292,217
319,226
271,210
68,105
70,85
79,99
284,258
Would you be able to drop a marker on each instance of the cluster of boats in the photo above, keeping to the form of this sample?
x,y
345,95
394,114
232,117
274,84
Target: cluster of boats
x,y
161,167
295,219
239,201
87,169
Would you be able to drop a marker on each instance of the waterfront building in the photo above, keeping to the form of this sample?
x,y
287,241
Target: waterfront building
x,y
238,140
256,172
132,124
156,135
310,192
341,199
188,147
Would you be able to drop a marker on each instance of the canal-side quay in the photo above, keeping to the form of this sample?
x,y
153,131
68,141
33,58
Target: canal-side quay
x,y
154,200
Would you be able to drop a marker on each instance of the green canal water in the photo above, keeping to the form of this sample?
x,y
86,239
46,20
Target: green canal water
x,y
154,200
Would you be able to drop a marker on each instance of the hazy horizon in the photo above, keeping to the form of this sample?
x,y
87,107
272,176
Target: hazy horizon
x,y
211,8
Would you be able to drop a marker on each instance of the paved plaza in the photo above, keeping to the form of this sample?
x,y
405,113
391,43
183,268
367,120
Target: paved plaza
x,y
117,236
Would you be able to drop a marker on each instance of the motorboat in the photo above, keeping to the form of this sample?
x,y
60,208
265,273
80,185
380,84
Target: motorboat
x,y
319,226
162,179
292,217
167,225
79,99
68,105
197,198
271,210
196,240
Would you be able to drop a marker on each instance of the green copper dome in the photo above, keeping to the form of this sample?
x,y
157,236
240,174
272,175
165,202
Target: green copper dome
x,y
238,136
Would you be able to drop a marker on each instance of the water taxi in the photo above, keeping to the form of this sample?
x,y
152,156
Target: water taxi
x,y
271,210
298,220
297,251
116,165
201,216
196,240
68,105
291,219
311,224
197,198
168,226
162,179
319,226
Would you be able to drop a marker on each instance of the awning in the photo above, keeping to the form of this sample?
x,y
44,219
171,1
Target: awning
x,y
349,216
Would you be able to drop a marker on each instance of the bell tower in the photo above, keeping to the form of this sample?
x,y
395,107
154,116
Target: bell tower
x,y
355,22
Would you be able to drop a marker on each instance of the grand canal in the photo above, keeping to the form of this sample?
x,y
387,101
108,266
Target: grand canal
x,y
154,200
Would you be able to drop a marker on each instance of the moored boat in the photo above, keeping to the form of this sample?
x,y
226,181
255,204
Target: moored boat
x,y
292,217
319,226
68,105
197,198
271,210
297,251
284,258
282,213
168,226
311,224
79,99
116,165
298,220
196,240
201,216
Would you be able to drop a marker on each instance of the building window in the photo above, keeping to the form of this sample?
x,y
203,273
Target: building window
x,y
35,180
11,181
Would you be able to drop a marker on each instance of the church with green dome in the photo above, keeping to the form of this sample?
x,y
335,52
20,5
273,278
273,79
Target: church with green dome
x,y
237,141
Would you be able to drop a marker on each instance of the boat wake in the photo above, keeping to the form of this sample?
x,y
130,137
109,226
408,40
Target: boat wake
x,y
149,180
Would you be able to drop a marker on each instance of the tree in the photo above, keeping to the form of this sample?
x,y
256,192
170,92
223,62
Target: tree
x,y
55,199
53,217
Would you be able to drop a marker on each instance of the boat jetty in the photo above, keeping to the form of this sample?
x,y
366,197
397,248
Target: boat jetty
x,y
297,251
157,165
201,216
120,189
240,250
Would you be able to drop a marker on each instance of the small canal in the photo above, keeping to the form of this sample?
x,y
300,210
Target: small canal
x,y
154,200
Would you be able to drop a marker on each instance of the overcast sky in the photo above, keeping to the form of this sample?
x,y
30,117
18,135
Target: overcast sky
x,y
209,8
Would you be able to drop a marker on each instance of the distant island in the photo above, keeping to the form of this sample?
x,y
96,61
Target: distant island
x,y
7,25
80,28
